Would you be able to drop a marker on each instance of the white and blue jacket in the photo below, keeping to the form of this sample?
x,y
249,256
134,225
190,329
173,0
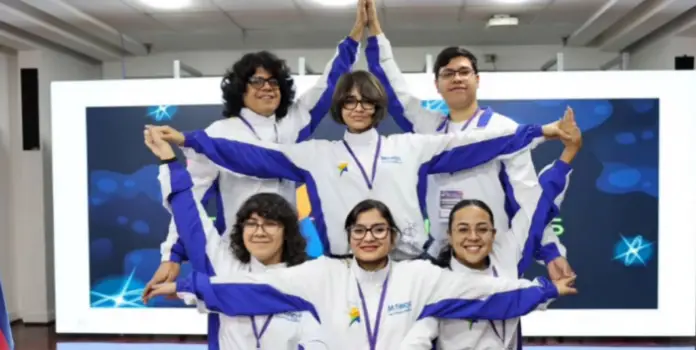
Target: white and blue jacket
x,y
328,288
340,174
499,183
511,255
211,255
230,190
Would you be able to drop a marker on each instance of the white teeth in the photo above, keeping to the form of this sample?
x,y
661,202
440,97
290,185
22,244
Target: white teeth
x,y
473,248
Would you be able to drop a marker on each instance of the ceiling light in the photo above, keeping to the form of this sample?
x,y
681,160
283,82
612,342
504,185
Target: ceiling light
x,y
502,21
336,3
167,4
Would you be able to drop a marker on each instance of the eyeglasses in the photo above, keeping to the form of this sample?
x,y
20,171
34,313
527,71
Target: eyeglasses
x,y
268,227
378,231
478,231
352,103
258,82
449,74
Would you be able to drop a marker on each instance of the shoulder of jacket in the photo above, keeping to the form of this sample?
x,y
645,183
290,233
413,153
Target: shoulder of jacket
x,y
498,119
221,127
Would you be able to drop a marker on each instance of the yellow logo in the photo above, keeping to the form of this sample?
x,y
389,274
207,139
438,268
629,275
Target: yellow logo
x,y
354,315
342,168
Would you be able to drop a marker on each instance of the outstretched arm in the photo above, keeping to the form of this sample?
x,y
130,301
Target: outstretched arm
x,y
455,295
314,105
406,108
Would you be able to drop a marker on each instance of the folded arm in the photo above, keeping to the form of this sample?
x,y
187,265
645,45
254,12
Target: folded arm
x,y
207,252
204,173
455,295
313,105
264,159
404,107
421,335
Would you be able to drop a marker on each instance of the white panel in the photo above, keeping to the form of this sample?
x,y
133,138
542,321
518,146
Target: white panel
x,y
274,5
196,21
676,286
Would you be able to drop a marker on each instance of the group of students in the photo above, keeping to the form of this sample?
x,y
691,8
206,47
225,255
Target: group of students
x,y
385,281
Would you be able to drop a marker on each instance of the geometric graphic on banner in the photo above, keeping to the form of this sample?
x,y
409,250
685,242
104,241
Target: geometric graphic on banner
x,y
162,113
633,251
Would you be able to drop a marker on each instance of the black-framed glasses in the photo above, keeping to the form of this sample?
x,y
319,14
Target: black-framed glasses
x,y
449,74
379,231
352,103
258,82
268,227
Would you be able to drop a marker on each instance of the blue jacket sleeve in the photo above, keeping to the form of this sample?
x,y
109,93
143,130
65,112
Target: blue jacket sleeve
x,y
528,232
264,160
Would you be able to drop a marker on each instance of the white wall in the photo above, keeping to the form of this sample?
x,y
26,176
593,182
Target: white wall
x,y
660,55
31,278
410,59
8,71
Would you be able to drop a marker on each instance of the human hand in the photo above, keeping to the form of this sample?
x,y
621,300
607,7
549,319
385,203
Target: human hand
x,y
167,289
559,268
167,133
372,17
569,126
560,129
168,271
160,148
361,16
566,286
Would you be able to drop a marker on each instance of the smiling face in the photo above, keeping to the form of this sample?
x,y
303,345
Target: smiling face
x,y
263,238
371,237
457,82
262,93
471,236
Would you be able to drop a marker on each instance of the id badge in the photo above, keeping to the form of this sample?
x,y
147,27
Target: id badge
x,y
448,199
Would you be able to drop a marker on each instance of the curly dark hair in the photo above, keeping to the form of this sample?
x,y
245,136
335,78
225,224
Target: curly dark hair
x,y
270,206
370,88
234,83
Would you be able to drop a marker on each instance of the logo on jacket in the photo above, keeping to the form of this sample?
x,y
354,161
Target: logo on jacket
x,y
342,168
390,159
399,308
354,315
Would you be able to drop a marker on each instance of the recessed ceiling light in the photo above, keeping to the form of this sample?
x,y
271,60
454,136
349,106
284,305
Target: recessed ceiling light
x,y
336,3
167,4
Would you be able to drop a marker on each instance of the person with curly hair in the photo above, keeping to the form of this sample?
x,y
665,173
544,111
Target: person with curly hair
x,y
258,104
265,235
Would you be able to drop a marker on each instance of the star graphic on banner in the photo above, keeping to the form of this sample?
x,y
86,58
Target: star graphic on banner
x,y
633,251
161,112
126,296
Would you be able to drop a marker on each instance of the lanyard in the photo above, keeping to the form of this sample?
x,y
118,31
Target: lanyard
x,y
258,334
445,125
372,335
492,323
248,125
368,181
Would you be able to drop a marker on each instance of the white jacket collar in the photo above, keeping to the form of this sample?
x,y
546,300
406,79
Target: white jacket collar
x,y
257,266
369,277
256,119
456,266
368,137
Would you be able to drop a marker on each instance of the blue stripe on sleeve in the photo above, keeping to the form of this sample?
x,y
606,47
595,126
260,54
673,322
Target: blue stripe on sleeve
x,y
511,204
187,218
243,299
543,214
342,63
500,306
178,251
394,106
244,158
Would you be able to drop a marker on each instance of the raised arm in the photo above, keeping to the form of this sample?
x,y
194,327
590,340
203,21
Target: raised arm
x,y
313,105
203,173
208,254
455,295
406,108
264,159
294,289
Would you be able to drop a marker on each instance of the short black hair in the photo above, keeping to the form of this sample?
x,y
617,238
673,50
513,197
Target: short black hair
x,y
370,88
445,257
234,83
271,206
449,53
367,205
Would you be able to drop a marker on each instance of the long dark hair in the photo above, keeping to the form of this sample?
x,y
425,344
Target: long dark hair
x,y
270,206
234,83
445,257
